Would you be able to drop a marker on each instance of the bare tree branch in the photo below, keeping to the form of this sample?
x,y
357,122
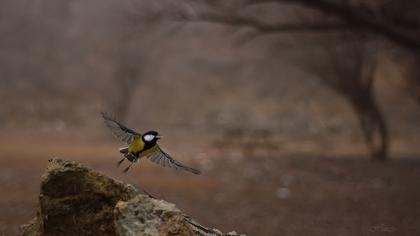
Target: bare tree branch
x,y
349,17
239,21
361,17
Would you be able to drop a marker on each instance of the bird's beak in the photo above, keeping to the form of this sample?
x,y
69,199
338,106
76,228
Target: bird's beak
x,y
159,137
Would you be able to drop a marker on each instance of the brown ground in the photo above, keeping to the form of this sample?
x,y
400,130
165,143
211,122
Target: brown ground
x,y
261,194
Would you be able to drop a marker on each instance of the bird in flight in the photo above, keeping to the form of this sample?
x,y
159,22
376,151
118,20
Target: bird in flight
x,y
142,146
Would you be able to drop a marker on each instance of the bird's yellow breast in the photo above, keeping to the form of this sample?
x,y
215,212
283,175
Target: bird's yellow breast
x,y
136,146
149,150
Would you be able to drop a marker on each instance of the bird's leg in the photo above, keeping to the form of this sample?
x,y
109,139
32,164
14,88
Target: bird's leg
x,y
132,158
121,161
128,167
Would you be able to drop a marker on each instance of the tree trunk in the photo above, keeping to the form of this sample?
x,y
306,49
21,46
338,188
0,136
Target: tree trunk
x,y
374,128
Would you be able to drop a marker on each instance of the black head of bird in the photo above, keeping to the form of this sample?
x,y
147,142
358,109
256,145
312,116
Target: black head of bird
x,y
151,137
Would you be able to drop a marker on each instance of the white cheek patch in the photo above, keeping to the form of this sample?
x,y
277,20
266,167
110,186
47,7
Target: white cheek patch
x,y
149,137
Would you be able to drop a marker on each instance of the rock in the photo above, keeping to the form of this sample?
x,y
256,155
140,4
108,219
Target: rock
x,y
33,228
143,215
75,200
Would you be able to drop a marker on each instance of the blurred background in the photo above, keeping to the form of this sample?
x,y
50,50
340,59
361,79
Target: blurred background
x,y
302,114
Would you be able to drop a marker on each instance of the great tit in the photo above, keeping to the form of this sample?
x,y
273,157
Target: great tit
x,y
142,145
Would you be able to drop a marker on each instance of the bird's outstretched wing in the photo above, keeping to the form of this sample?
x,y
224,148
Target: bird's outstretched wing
x,y
162,158
119,130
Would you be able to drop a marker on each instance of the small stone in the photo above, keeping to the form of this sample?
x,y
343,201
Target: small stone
x,y
283,193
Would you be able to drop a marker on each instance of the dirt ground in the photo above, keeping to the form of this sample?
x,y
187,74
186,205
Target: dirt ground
x,y
258,193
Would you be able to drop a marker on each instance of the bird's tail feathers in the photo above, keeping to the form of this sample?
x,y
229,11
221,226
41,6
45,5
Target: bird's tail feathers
x,y
124,150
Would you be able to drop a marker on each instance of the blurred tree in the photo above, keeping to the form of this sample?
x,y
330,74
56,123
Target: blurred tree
x,y
349,63
383,17
127,77
133,29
